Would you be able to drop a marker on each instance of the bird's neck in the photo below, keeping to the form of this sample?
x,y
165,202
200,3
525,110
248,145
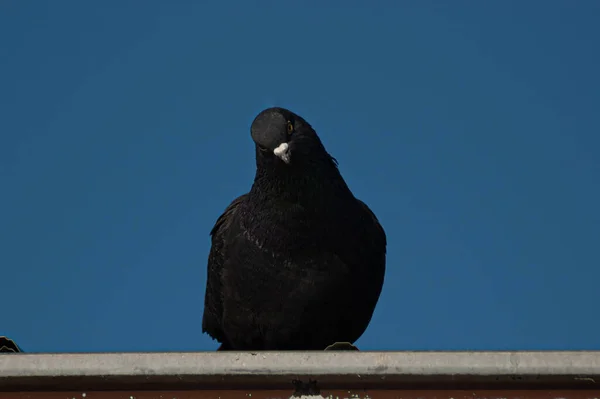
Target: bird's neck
x,y
307,186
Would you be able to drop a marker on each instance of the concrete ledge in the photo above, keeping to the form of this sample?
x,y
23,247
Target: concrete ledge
x,y
271,370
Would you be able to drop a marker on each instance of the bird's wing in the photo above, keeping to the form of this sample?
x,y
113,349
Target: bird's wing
x,y
366,255
379,237
364,258
213,299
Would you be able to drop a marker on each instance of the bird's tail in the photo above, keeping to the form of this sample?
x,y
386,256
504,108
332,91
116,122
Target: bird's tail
x,y
7,345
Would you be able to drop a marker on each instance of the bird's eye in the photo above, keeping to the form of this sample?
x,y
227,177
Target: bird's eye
x,y
290,127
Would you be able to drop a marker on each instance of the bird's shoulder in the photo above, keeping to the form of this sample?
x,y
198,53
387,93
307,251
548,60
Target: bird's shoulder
x,y
224,221
355,238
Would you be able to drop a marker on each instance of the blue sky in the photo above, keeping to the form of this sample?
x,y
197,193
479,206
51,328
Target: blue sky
x,y
470,128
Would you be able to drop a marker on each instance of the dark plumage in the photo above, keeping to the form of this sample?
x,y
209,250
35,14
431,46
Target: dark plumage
x,y
298,262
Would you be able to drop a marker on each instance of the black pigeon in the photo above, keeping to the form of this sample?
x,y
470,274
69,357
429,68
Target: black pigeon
x,y
298,262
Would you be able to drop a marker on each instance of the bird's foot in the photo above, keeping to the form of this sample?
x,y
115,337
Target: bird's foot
x,y
7,345
341,346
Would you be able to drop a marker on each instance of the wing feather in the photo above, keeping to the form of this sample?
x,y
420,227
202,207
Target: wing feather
x,y
212,319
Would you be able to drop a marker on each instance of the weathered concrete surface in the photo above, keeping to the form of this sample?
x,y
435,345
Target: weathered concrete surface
x,y
334,394
271,371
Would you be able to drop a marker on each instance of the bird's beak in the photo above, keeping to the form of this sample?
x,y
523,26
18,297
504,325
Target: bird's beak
x,y
283,152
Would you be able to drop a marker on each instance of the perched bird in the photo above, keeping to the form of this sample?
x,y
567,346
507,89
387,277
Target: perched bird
x,y
298,262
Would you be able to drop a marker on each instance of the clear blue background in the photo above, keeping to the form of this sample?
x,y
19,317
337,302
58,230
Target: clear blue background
x,y
470,128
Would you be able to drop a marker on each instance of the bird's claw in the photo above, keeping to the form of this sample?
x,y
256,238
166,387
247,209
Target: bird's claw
x,y
341,346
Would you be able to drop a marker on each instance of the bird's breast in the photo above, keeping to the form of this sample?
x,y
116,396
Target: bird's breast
x,y
293,229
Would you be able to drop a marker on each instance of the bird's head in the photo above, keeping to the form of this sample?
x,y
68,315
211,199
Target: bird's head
x,y
281,134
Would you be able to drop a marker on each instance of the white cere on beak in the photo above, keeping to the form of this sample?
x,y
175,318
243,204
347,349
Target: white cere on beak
x,y
283,152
